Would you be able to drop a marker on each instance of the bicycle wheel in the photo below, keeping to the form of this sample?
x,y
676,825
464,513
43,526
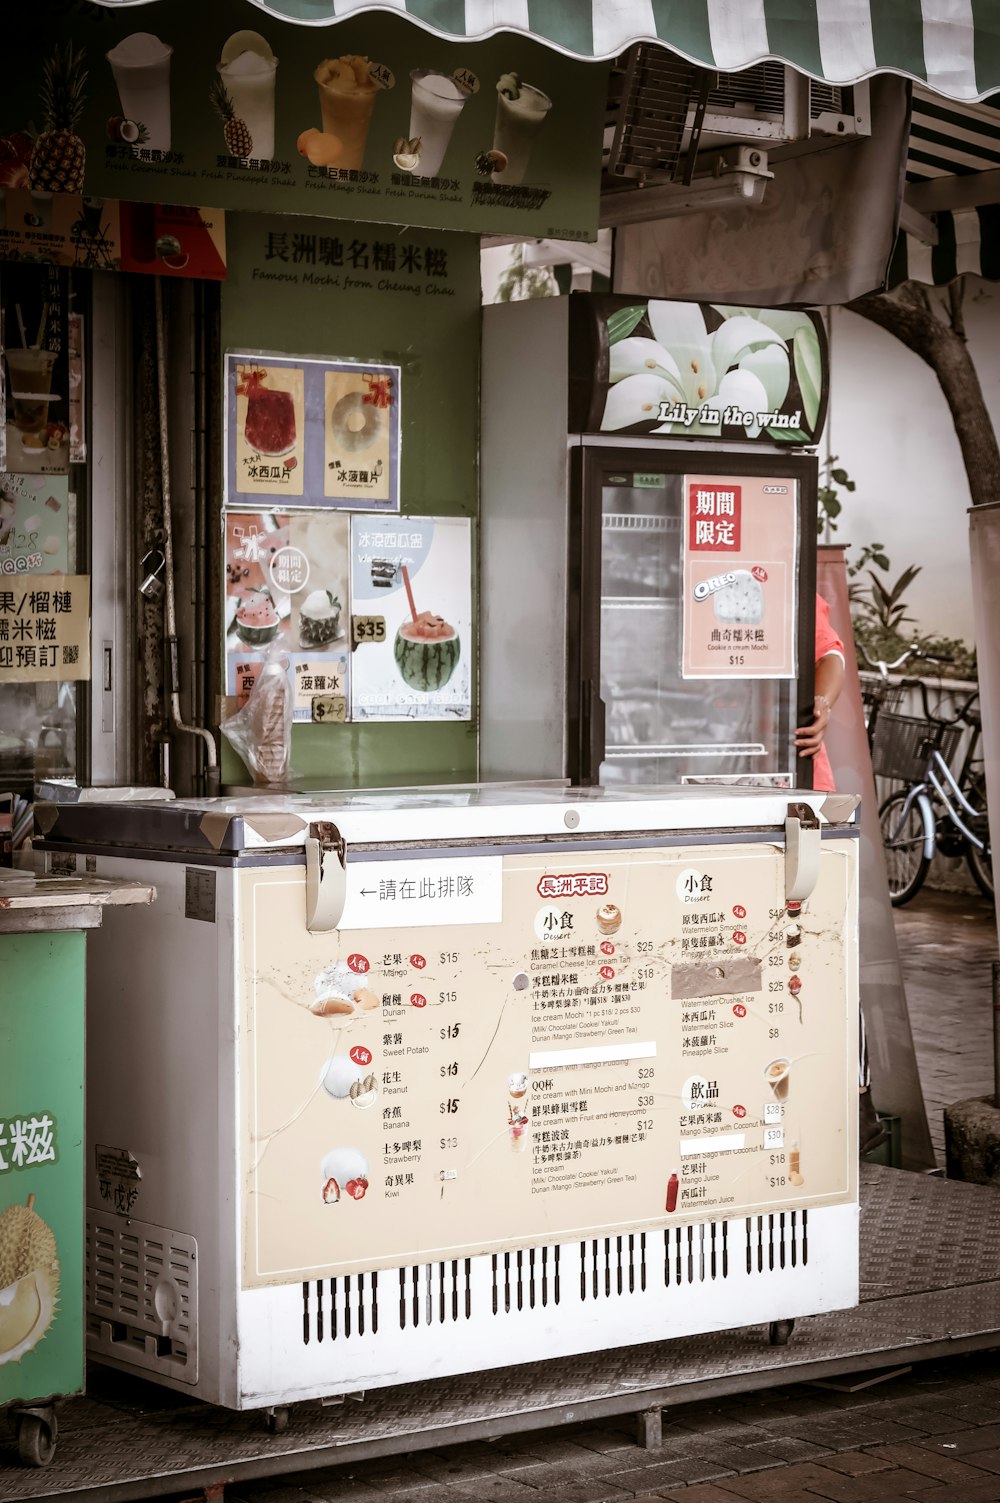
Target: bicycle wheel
x,y
980,862
906,864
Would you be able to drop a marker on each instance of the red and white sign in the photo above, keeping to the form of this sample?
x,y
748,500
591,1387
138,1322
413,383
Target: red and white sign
x,y
574,885
714,517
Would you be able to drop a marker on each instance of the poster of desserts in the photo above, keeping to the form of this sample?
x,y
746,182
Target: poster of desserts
x,y
740,552
34,525
312,432
411,618
286,592
541,1046
35,309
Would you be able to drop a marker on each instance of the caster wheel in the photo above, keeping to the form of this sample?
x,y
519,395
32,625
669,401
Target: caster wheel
x,y
779,1331
276,1421
36,1440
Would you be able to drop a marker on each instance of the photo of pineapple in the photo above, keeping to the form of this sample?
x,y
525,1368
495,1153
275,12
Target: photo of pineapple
x,y
59,155
239,141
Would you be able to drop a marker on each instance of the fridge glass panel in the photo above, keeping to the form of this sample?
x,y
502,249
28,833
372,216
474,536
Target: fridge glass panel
x,y
661,727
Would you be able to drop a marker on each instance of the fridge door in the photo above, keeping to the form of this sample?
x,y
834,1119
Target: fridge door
x,y
648,709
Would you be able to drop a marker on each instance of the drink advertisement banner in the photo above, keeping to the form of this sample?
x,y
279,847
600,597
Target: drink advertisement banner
x,y
34,309
34,525
44,629
371,118
740,577
411,618
312,433
286,590
66,229
538,1047
698,370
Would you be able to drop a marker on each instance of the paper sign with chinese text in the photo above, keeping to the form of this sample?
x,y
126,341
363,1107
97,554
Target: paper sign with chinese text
x,y
34,525
740,558
45,628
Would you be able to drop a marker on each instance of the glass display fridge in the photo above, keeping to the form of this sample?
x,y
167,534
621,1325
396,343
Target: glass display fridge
x,y
654,563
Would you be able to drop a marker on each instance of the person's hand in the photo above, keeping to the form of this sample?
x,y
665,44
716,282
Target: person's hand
x,y
809,738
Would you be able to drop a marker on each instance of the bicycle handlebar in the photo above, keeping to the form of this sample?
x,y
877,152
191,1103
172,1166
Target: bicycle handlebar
x,y
883,669
961,716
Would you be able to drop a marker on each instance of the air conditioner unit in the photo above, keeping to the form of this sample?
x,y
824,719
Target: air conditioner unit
x,y
663,110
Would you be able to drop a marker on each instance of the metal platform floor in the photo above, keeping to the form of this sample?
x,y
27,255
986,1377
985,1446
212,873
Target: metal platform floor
x,y
930,1269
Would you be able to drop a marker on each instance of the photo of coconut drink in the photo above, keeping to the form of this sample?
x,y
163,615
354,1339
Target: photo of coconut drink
x,y
29,1280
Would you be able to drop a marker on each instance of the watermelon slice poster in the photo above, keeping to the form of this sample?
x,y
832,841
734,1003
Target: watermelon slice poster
x,y
411,618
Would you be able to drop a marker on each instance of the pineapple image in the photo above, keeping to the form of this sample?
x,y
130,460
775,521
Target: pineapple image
x,y
29,1280
239,141
59,155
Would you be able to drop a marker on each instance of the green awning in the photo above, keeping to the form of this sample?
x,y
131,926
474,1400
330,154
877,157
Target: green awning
x,y
953,46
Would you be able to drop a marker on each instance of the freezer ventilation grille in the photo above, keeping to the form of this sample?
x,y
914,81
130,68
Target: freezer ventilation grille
x,y
437,1294
142,1295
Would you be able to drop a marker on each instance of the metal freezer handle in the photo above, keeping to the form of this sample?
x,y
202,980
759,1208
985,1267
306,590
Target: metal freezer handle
x,y
802,848
326,877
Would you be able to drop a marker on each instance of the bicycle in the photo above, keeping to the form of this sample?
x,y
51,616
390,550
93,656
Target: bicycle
x,y
884,695
935,810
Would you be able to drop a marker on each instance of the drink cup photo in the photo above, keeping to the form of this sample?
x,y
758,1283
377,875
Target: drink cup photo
x,y
347,96
521,113
29,373
776,1075
247,69
436,102
141,66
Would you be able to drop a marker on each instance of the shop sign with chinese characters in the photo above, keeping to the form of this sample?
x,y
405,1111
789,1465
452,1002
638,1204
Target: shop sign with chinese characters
x,y
67,229
372,118
740,555
312,433
536,1048
45,629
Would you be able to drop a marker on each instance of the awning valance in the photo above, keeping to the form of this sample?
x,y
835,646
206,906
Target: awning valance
x,y
953,46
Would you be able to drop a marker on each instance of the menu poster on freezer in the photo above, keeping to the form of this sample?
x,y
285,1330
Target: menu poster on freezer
x,y
740,557
523,1049
312,433
411,623
286,584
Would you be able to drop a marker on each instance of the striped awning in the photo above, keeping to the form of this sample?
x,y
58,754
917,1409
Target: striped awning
x,y
952,46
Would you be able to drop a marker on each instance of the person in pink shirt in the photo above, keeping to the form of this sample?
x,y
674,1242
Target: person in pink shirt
x,y
828,684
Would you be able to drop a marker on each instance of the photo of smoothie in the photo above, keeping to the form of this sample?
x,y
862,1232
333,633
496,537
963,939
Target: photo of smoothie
x,y
776,1075
29,373
247,69
141,67
436,102
347,95
521,113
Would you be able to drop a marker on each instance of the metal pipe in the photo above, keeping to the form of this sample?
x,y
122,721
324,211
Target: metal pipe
x,y
996,1033
168,550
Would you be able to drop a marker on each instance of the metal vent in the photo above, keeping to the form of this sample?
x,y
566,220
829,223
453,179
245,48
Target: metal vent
x,y
142,1295
779,1240
757,90
649,117
612,1265
336,1309
830,99
525,1278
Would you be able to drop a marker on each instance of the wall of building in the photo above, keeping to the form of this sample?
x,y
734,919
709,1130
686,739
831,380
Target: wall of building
x,y
890,427
430,326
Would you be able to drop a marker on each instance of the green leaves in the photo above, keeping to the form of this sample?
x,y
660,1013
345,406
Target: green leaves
x,y
808,371
621,323
789,436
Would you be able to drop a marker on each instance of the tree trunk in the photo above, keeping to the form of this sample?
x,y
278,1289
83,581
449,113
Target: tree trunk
x,y
909,314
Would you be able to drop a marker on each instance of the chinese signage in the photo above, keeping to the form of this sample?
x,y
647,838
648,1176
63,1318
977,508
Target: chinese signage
x,y
368,119
312,433
508,1055
411,618
287,589
740,558
700,371
66,229
34,305
34,525
44,628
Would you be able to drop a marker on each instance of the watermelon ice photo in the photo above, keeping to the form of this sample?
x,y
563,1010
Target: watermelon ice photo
x,y
427,651
257,621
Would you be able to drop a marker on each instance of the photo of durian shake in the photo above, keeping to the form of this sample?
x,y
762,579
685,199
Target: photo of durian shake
x,y
517,1115
435,104
521,113
347,94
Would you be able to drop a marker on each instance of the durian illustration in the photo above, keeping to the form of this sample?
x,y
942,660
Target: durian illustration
x,y
29,1280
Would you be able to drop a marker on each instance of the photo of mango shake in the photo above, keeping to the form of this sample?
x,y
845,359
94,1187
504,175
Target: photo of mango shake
x,y
346,99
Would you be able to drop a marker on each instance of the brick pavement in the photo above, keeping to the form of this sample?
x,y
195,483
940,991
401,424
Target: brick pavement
x,y
932,1435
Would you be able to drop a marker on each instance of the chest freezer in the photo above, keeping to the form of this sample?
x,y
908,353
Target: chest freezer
x,y
390,1087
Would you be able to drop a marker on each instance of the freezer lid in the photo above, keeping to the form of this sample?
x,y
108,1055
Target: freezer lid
x,y
261,822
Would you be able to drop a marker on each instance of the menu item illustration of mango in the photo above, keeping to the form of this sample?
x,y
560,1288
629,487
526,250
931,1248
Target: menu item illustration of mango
x,y
29,1280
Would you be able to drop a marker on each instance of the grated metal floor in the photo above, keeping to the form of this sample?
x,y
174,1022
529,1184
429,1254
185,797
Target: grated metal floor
x,y
930,1267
